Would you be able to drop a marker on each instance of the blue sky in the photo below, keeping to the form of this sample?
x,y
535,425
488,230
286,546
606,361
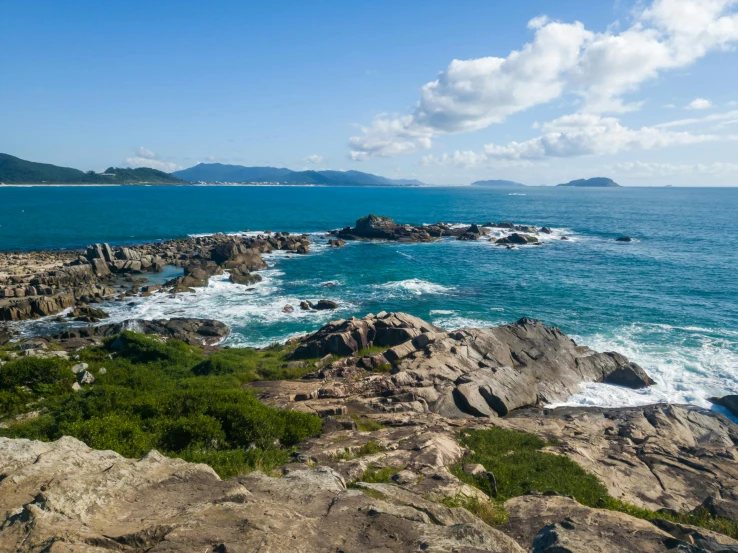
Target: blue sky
x,y
540,92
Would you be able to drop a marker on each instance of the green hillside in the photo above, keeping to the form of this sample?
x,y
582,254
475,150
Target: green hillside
x,y
14,170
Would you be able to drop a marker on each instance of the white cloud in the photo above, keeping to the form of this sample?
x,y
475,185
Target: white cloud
x,y
599,68
146,158
699,120
732,104
145,153
699,103
581,134
646,169
314,159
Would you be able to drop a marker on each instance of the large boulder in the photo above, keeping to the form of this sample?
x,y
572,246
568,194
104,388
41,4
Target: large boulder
x,y
347,337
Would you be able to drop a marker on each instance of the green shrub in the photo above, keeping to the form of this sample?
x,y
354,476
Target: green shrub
x,y
151,397
191,431
122,434
376,475
36,373
249,364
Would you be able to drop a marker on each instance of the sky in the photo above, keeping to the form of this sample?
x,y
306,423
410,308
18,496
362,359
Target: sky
x,y
642,91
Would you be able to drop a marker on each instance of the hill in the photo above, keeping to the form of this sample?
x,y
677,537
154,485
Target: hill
x,y
218,172
497,183
596,182
14,170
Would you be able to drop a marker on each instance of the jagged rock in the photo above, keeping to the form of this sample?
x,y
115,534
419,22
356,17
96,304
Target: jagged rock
x,y
517,239
306,305
474,232
325,304
674,457
65,493
346,337
85,377
196,332
553,524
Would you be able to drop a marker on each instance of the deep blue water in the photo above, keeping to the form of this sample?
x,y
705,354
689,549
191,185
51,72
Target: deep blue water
x,y
668,300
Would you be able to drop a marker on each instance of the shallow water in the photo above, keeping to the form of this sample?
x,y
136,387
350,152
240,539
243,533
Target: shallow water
x,y
667,300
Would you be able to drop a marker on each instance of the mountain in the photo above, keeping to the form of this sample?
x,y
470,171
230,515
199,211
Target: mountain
x,y
497,183
14,170
596,182
218,172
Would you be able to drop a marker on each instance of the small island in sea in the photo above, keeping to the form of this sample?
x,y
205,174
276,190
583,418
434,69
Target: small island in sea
x,y
595,182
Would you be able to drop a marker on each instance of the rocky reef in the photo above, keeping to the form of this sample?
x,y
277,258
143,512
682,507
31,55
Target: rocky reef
x,y
39,284
375,227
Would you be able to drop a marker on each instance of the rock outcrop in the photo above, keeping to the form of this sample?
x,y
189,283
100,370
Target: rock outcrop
x,y
468,372
657,457
63,496
196,332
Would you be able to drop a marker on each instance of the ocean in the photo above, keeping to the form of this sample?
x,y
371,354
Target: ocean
x,y
668,300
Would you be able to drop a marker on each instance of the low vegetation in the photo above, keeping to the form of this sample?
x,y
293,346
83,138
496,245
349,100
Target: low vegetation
x,y
369,448
520,466
165,396
365,424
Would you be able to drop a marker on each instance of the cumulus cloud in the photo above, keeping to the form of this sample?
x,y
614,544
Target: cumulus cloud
x,y
314,159
146,158
582,134
145,153
563,58
699,103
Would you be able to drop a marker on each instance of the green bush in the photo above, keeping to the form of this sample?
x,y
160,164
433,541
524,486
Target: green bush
x,y
151,396
250,364
116,432
36,373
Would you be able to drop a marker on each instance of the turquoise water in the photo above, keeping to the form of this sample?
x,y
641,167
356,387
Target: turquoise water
x,y
668,300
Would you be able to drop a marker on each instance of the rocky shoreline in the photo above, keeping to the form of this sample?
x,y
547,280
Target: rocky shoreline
x,y
392,469
40,284
395,395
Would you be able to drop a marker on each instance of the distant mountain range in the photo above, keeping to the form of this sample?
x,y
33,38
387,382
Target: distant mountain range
x,y
596,182
218,172
497,183
14,170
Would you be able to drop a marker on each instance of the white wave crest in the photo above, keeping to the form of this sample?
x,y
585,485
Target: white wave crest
x,y
414,287
688,364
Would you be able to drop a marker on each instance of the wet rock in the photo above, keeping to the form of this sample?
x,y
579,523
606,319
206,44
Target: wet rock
x,y
624,239
325,304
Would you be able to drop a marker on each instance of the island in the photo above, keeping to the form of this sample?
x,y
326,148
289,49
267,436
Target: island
x,y
595,182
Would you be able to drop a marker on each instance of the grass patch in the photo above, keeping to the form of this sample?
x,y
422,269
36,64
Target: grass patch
x,y
371,350
369,448
364,424
377,475
519,466
489,511
157,395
